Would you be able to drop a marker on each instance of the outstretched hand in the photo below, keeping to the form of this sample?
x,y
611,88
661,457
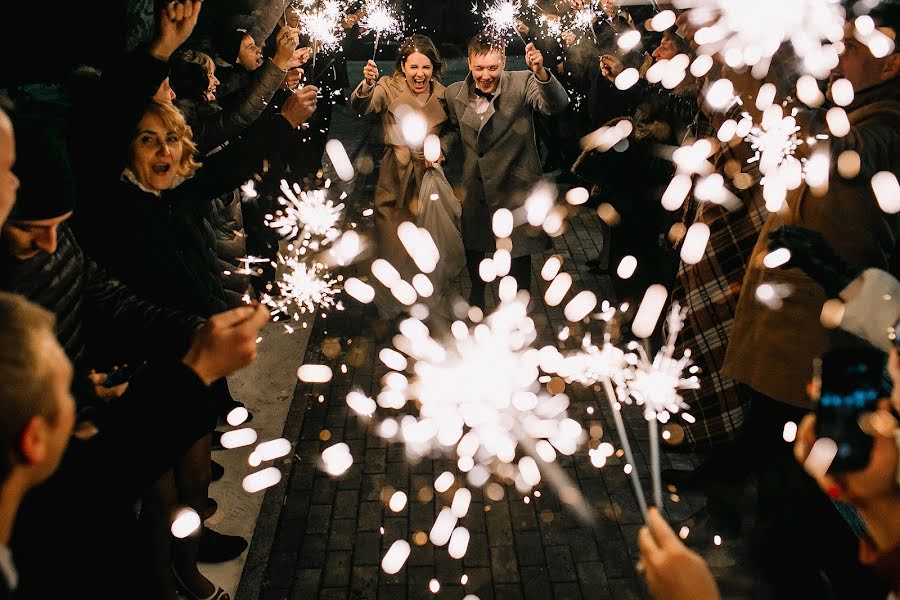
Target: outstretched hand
x,y
812,254
673,571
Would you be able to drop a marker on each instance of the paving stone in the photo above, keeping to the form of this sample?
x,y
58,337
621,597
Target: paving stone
x,y
392,592
306,584
312,551
498,524
566,591
504,565
626,589
529,548
346,504
592,579
507,592
367,549
560,563
364,583
337,570
536,583
281,569
371,515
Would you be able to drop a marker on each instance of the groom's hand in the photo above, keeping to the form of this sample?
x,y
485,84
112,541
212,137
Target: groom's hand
x,y
535,61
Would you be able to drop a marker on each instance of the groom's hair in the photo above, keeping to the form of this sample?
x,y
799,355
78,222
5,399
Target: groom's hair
x,y
485,42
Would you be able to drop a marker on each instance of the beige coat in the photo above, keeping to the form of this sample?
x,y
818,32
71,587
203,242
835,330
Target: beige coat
x,y
772,351
402,167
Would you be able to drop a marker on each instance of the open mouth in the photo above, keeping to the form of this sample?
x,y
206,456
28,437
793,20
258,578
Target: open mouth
x,y
161,168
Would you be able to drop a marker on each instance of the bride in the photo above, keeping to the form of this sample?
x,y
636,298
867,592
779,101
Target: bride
x,y
410,187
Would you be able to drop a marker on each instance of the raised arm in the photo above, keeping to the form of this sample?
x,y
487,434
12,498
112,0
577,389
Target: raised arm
x,y
544,93
369,96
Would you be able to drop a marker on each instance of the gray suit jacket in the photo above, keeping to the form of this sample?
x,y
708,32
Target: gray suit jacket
x,y
500,157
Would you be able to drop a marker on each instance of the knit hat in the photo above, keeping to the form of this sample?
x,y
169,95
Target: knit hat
x,y
188,79
47,185
228,44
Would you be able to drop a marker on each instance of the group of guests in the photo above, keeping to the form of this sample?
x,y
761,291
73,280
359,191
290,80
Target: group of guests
x,y
121,295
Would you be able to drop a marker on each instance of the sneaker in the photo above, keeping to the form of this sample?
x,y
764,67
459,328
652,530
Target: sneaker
x,y
217,547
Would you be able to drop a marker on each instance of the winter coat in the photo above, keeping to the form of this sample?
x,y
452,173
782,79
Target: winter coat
x,y
772,350
500,156
87,506
402,168
98,319
212,124
157,242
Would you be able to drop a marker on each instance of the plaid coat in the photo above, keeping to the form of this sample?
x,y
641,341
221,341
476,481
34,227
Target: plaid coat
x,y
709,290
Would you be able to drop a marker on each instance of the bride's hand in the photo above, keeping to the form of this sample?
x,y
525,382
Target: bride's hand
x,y
430,165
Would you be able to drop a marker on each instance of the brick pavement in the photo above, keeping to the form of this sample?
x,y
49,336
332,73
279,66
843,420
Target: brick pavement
x,y
332,532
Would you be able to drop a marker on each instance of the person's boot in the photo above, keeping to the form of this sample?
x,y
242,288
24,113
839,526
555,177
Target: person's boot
x,y
218,547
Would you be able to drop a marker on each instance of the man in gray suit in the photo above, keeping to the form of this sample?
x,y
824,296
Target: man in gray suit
x,y
494,112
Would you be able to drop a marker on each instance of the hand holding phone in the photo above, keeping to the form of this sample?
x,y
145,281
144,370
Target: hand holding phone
x,y
852,381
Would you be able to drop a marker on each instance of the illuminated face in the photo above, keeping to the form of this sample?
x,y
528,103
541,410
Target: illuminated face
x,y
486,70
27,239
666,50
292,17
210,94
9,183
155,153
418,70
249,55
165,93
857,65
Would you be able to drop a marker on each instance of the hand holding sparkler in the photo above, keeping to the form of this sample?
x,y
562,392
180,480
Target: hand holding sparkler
x,y
610,66
286,43
673,571
370,72
176,23
226,343
300,105
535,61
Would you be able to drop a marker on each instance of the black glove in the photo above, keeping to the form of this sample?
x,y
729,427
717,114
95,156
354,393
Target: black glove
x,y
812,254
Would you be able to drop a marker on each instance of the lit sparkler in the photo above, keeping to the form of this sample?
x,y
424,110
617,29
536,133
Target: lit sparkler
x,y
774,142
302,288
321,21
381,18
306,214
501,18
655,384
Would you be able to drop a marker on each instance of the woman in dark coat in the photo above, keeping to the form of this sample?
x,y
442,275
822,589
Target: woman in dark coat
x,y
152,236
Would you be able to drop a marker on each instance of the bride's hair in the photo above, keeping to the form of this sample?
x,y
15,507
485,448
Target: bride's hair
x,y
423,45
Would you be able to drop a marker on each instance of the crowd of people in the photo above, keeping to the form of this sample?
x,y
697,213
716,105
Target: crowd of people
x,y
125,216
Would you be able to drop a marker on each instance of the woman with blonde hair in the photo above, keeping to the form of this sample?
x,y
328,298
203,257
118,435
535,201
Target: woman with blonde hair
x,y
150,234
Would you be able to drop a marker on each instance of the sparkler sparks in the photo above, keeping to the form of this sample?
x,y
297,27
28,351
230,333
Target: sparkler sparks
x,y
750,33
320,20
306,215
381,18
304,287
501,18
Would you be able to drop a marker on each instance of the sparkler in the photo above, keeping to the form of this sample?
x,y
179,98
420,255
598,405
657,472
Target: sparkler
x,y
655,384
501,18
320,20
303,288
307,214
381,18
774,142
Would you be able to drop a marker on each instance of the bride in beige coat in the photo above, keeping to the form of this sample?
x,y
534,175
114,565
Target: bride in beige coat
x,y
414,87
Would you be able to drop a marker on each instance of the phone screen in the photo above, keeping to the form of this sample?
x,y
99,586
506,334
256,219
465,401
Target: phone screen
x,y
852,383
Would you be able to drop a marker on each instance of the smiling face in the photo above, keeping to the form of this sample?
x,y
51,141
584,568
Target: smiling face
x,y
210,94
486,69
156,153
418,70
249,55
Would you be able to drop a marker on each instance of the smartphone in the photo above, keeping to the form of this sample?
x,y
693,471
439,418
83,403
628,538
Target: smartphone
x,y
851,383
122,374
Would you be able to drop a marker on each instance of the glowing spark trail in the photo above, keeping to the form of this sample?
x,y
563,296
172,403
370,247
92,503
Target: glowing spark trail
x,y
381,18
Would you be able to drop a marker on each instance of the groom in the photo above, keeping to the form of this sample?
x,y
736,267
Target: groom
x,y
494,112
